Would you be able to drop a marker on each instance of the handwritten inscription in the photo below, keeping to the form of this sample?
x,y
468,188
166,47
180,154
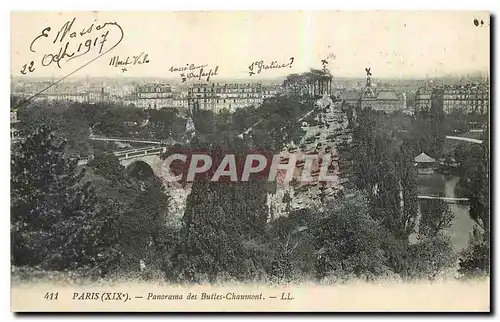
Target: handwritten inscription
x,y
259,66
186,68
192,71
140,59
331,56
71,42
201,74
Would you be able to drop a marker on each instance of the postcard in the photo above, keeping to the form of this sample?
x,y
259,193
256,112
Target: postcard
x,y
250,161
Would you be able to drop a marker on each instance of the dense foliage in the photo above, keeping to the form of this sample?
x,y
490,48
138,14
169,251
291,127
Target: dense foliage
x,y
99,219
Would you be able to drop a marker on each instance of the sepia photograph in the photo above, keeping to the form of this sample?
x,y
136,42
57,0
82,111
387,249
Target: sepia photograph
x,y
250,161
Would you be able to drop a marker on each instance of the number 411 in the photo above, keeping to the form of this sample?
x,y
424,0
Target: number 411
x,y
51,296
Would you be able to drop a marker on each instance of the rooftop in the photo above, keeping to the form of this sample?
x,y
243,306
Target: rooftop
x,y
424,158
350,96
387,95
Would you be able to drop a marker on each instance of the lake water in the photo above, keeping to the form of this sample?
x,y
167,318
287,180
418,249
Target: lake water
x,y
441,185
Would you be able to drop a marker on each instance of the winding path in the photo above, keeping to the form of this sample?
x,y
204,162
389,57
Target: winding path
x,y
459,138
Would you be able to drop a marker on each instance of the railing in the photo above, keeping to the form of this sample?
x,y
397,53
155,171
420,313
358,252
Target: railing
x,y
130,155
123,152
131,140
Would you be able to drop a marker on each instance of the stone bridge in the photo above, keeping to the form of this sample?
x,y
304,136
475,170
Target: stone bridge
x,y
145,159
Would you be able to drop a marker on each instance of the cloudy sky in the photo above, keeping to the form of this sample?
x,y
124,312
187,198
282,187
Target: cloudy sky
x,y
393,44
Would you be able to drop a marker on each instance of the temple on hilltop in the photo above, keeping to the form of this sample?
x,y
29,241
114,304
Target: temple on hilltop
x,y
319,82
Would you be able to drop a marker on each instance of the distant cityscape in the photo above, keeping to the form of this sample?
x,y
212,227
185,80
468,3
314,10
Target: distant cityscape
x,y
464,94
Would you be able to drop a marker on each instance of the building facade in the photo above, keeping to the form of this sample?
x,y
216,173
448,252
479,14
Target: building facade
x,y
15,134
154,96
423,99
468,99
271,91
386,101
217,97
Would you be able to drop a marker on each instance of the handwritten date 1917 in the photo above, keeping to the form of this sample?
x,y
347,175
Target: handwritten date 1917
x,y
72,44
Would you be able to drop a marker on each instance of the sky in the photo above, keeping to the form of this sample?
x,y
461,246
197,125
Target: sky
x,y
394,44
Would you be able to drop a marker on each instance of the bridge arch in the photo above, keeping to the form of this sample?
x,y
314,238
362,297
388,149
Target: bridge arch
x,y
147,164
139,169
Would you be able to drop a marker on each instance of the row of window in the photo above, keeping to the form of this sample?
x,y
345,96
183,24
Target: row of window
x,y
230,96
470,91
218,108
225,90
154,95
450,99
469,101
457,97
240,100
154,90
480,109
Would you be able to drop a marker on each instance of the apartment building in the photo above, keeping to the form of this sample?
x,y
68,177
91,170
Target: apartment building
x,y
468,99
217,97
154,96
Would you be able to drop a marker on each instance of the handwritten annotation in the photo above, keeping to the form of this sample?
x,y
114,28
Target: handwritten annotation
x,y
70,43
259,66
186,68
115,61
192,71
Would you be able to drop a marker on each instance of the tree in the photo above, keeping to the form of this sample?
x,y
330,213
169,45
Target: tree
x,y
348,241
47,202
291,241
384,171
475,259
235,212
436,216
427,135
295,83
68,123
141,226
108,166
429,258
478,183
210,242
131,223
279,118
166,123
474,182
